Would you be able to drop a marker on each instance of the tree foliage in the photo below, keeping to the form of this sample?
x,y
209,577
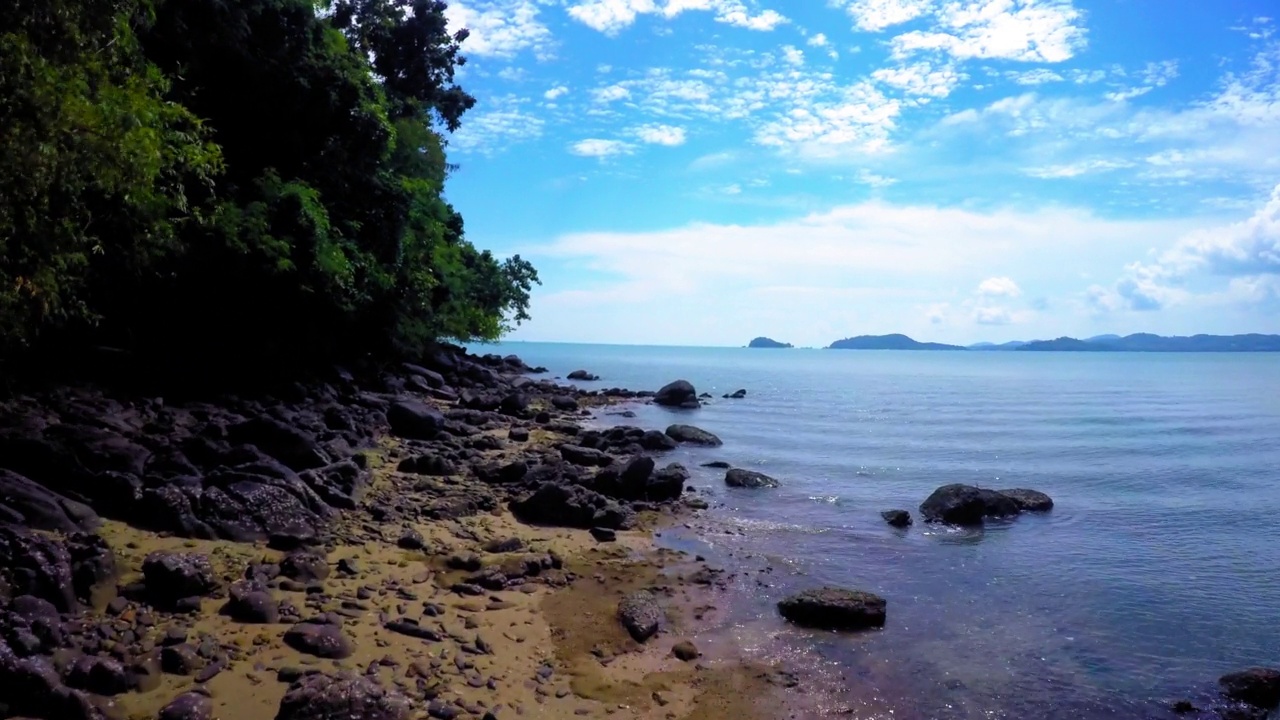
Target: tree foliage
x,y
238,179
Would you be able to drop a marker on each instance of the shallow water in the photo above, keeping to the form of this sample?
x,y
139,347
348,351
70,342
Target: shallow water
x,y
1155,572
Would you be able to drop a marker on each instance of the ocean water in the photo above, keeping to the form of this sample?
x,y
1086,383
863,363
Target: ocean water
x,y
1158,569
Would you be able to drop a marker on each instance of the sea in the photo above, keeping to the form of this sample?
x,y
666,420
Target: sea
x,y
1157,570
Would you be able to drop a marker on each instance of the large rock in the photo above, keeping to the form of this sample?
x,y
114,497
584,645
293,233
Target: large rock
x,y
289,445
579,455
415,420
667,483
1029,500
680,394
739,478
188,706
251,602
640,614
582,375
30,504
655,440
834,609
33,564
341,697
1258,686
171,577
959,504
304,566
572,506
321,639
693,436
897,518
98,675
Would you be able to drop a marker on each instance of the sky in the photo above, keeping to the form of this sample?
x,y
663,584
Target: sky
x,y
701,172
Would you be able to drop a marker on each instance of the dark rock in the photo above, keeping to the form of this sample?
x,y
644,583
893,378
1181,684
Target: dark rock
x,y
739,478
516,404
1182,707
1243,712
502,474
145,673
341,697
737,394
27,503
834,609
33,564
640,614
411,539
503,545
518,434
717,464
959,504
469,562
686,651
582,375
604,534
897,518
292,539
98,675
188,706
305,567
412,629
1257,686
657,441
572,506
1029,500
429,465
564,403
171,577
679,394
579,455
289,445
93,568
180,660
693,436
667,483
432,378
320,639
253,603
414,419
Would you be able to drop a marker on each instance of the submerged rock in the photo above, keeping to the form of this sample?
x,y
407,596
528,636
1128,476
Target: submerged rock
x,y
640,614
739,478
693,436
897,518
679,394
582,375
1257,686
1029,500
834,609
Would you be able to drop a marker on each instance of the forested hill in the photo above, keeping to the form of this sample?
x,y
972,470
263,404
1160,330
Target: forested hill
x,y
243,182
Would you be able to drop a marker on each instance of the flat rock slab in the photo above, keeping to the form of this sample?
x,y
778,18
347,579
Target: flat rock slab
x,y
640,614
834,609
739,478
693,436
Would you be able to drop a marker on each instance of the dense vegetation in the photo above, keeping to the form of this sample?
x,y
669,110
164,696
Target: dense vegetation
x,y
236,181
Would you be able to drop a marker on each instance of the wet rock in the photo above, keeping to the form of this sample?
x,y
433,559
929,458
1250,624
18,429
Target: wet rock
x,y
98,675
640,614
582,375
518,434
736,394
959,504
693,436
320,639
897,518
579,455
1029,500
503,545
604,534
171,577
834,609
341,697
252,602
411,539
515,404
739,478
717,464
667,483
657,441
686,651
188,706
305,567
414,419
1182,707
679,394
1259,687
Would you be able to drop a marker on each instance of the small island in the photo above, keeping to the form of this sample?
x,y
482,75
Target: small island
x,y
888,342
764,342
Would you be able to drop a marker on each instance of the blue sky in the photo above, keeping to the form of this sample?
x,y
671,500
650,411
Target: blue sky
x,y
705,171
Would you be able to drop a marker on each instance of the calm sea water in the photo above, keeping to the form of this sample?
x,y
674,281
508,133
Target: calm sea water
x,y
1158,569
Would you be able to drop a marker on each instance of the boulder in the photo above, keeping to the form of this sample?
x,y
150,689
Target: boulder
x,y
667,483
579,455
514,404
93,568
693,436
188,706
289,445
171,577
582,375
572,506
633,480
834,609
321,639
685,651
98,675
411,539
737,394
655,440
640,614
251,602
304,566
341,697
1259,687
959,504
1029,500
564,403
679,394
429,465
897,518
29,504
604,534
414,419
739,478
34,564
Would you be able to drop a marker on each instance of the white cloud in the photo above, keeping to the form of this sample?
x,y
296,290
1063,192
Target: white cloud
x,y
920,79
819,40
611,16
495,126
992,315
792,55
598,148
860,117
661,135
999,287
1025,30
1039,76
1155,75
499,28
1076,169
866,177
611,93
876,15
556,92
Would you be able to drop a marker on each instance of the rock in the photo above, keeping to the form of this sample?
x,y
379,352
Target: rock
x,y
604,534
897,518
304,566
1029,500
693,436
572,506
516,434
667,483
98,675
834,609
717,464
503,545
959,504
582,375
252,603
469,562
411,539
739,478
631,482
1182,707
27,503
640,614
737,394
579,455
171,577
320,639
412,629
341,697
686,651
289,445
34,564
564,403
432,378
415,420
188,706
429,465
145,673
657,441
180,660
679,394
1259,687
514,404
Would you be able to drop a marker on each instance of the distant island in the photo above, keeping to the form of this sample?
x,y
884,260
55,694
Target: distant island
x,y
764,342
1140,342
888,342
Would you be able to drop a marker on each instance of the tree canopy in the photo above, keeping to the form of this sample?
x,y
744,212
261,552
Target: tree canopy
x,y
237,180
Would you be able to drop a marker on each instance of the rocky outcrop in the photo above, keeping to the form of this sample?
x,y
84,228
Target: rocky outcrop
x,y
1029,500
572,506
678,394
1259,687
959,504
693,436
583,375
640,615
834,609
739,478
414,419
173,577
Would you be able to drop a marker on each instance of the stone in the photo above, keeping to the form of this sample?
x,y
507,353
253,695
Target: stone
x,y
738,394
640,614
604,534
503,545
678,394
341,697
411,539
27,503
291,446
685,651
572,506
897,518
582,375
320,639
579,455
834,609
693,436
516,434
739,478
252,602
959,504
667,483
429,465
180,659
34,564
564,403
1029,500
304,566
1259,687
658,441
414,419
171,577
717,464
98,675
188,706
